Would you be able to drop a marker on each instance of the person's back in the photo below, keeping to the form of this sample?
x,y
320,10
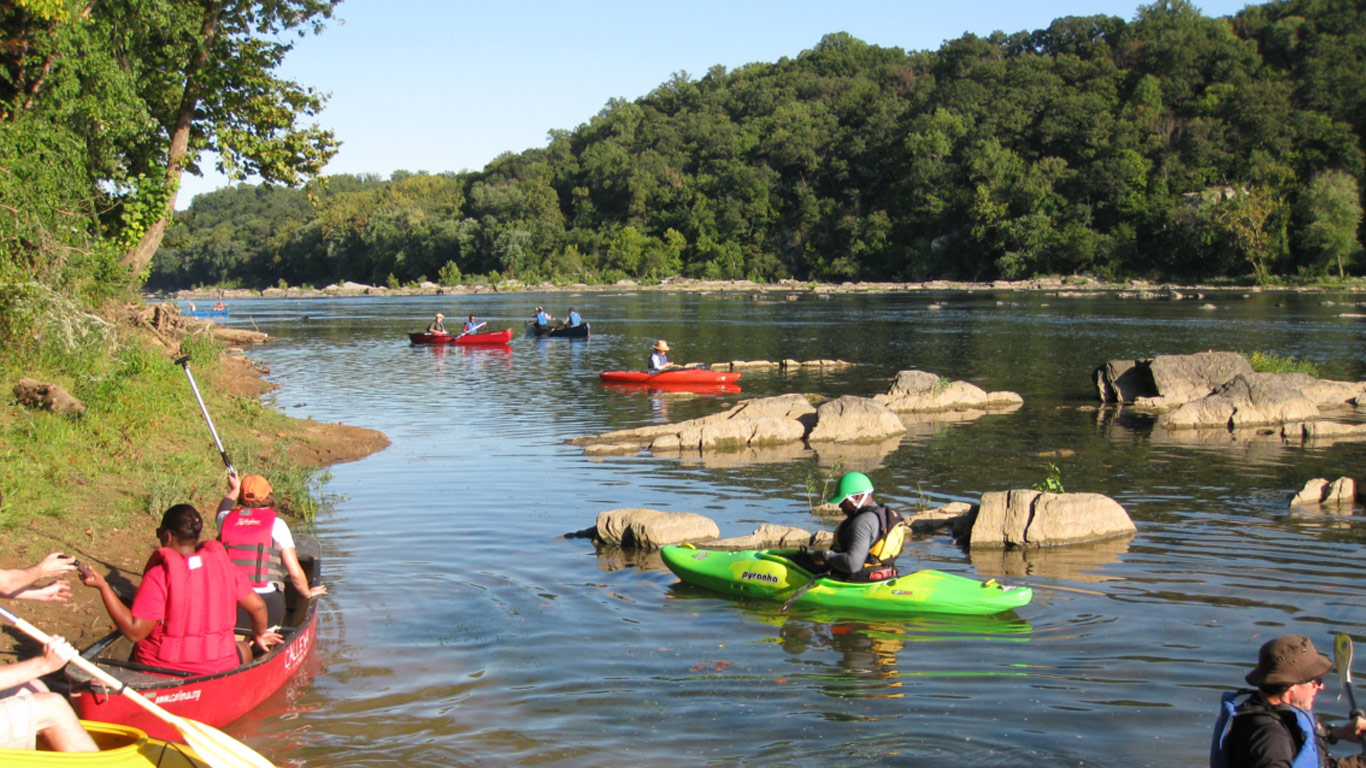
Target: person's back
x,y
574,318
193,600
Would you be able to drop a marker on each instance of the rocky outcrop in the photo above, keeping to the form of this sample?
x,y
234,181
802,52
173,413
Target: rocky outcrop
x,y
851,419
920,392
780,365
48,397
1261,399
759,422
651,528
1340,492
1167,380
1029,518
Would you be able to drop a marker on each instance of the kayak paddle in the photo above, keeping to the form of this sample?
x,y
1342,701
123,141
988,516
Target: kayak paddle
x,y
1342,660
216,748
184,362
803,589
475,329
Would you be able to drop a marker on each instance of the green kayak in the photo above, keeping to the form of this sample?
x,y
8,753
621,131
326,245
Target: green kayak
x,y
769,574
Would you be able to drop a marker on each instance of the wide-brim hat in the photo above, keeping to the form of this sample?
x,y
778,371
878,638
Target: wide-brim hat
x,y
440,316
662,345
1288,660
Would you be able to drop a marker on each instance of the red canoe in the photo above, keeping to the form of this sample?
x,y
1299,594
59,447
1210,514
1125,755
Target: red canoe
x,y
493,337
215,699
675,376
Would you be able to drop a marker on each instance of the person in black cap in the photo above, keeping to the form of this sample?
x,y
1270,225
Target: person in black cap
x,y
1275,726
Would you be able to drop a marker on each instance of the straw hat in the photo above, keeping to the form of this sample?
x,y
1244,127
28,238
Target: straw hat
x,y
662,345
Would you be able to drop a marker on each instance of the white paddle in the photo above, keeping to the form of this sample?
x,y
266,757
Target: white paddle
x,y
215,747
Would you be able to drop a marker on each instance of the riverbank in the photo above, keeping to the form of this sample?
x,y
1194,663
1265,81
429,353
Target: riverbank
x,y
1139,289
118,544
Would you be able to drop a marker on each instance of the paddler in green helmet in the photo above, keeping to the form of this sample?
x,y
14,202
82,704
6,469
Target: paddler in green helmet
x,y
868,540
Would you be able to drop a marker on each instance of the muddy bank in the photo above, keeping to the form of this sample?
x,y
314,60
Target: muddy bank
x,y
120,551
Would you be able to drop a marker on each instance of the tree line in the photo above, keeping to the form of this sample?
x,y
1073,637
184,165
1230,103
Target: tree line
x,y
1171,146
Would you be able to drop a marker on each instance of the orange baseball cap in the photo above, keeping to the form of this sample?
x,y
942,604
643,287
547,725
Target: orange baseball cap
x,y
255,488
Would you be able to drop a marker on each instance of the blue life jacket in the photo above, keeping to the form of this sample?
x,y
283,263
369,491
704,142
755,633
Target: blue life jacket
x,y
574,318
1307,757
542,318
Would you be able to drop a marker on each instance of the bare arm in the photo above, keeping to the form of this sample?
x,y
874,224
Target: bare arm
x,y
133,628
260,631
14,580
56,652
297,577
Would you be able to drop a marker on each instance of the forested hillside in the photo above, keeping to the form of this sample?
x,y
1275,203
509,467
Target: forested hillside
x,y
1172,145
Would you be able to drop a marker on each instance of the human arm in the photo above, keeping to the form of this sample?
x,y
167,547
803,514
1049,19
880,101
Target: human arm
x,y
297,577
862,534
229,499
130,626
261,634
56,653
15,580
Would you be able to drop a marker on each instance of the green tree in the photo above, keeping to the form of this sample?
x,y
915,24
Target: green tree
x,y
1331,211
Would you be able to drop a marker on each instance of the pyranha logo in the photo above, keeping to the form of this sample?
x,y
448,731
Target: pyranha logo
x,y
756,576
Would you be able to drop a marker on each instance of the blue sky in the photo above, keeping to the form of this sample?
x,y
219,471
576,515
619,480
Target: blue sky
x,y
447,85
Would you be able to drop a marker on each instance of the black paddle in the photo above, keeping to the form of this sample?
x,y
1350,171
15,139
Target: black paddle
x,y
803,589
184,362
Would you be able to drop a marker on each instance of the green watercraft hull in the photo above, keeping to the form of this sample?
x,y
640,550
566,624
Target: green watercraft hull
x,y
768,574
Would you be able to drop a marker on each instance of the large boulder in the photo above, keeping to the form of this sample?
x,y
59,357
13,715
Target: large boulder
x,y
1340,492
852,419
920,391
1167,380
48,397
1247,400
651,528
759,422
770,536
1029,518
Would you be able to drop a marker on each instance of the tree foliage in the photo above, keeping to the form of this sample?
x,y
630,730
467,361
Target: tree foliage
x,y
1170,145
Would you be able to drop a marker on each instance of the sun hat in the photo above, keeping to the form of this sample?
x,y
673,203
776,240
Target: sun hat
x,y
662,345
1288,660
440,316
852,484
255,488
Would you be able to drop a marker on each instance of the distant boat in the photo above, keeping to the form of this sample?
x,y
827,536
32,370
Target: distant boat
x,y
579,331
205,312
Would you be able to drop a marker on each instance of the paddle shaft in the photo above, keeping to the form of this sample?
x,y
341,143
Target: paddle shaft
x,y
475,329
215,747
803,589
185,363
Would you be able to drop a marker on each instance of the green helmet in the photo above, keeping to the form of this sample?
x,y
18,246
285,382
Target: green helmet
x,y
852,484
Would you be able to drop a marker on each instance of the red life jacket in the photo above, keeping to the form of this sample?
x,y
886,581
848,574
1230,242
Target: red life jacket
x,y
201,608
249,537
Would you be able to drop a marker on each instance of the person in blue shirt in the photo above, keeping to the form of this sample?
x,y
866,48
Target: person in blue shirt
x,y
659,358
471,326
574,318
542,318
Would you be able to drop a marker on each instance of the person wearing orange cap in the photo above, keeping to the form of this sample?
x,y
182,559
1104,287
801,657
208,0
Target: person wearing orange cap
x,y
1275,726
259,542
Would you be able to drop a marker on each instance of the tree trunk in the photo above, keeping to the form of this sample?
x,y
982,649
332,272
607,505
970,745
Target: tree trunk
x,y
137,259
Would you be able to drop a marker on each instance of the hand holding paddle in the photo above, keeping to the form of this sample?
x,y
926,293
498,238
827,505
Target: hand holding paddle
x,y
475,329
215,747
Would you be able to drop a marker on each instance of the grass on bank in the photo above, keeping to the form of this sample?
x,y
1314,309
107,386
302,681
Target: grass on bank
x,y
1269,363
142,445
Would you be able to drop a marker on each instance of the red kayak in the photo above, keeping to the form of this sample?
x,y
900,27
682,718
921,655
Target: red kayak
x,y
493,337
675,377
215,699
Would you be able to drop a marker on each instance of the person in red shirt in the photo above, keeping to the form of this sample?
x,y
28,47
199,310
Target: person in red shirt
x,y
185,609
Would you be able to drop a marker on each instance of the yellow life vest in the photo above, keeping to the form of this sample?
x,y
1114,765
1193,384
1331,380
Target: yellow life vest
x,y
888,546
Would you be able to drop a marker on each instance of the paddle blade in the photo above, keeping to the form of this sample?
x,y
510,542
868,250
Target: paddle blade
x,y
1342,657
218,749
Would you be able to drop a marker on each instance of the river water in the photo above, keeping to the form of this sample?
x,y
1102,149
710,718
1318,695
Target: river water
x,y
463,629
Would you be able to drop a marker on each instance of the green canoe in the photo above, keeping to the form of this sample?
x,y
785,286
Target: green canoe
x,y
769,574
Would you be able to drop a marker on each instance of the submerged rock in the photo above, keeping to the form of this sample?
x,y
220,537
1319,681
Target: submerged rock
x,y
920,391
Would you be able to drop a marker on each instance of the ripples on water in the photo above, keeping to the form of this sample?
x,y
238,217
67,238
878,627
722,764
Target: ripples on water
x,y
461,629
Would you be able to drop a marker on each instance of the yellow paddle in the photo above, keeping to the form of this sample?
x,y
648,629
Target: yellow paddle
x,y
214,747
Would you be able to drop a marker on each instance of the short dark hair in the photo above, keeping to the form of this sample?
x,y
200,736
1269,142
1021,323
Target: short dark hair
x,y
183,522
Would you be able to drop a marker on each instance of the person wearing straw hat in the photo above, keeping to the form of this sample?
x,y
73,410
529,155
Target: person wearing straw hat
x,y
659,358
1275,726
438,324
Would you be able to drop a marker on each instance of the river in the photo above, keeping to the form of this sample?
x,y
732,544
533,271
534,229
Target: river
x,y
463,629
